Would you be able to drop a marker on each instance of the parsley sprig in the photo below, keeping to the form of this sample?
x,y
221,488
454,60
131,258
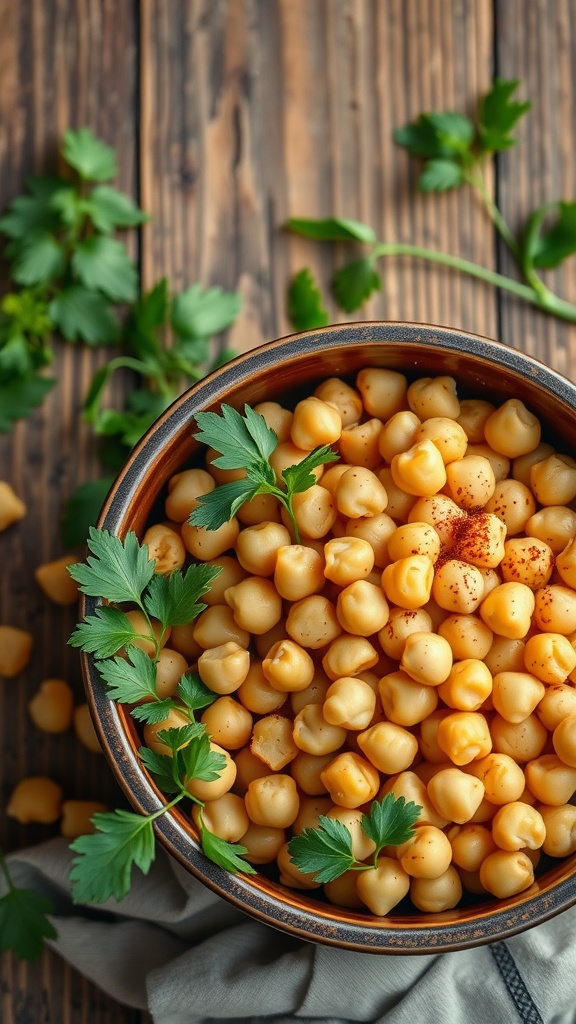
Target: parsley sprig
x,y
326,851
454,150
247,442
24,923
120,573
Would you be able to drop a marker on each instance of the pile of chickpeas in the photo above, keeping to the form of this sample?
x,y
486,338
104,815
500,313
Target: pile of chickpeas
x,y
420,640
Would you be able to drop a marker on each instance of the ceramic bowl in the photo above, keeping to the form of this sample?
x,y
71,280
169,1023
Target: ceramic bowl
x,y
284,369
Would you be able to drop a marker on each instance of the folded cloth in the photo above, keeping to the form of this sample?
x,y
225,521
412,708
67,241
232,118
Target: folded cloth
x,y
176,949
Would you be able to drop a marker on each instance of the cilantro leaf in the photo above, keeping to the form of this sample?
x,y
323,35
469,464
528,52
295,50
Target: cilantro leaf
x,y
498,114
103,263
83,313
82,510
178,738
174,599
440,174
117,570
160,767
108,209
221,504
130,679
194,693
18,398
103,867
436,135
197,760
324,852
546,249
240,440
453,130
331,229
153,712
226,855
104,633
390,822
200,313
23,922
300,477
93,159
305,307
36,259
354,283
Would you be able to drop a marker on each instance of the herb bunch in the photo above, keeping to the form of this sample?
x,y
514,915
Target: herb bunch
x,y
24,922
121,573
454,150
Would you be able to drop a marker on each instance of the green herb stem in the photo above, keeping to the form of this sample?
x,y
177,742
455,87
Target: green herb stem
x,y
477,182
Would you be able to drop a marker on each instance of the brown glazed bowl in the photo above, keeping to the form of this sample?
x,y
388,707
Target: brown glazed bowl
x,y
285,369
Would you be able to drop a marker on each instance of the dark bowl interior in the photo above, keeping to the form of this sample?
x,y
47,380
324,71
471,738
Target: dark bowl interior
x,y
285,369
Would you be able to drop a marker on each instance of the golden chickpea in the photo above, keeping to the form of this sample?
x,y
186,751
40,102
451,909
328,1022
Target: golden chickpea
x,y
52,707
351,817
277,418
257,695
360,493
408,582
77,817
435,895
290,875
442,513
428,739
555,609
505,655
553,481
518,825
383,391
427,854
515,695
288,667
564,740
558,702
560,823
217,626
358,444
15,650
427,658
468,685
312,622
184,489
503,779
377,530
527,560
272,801
273,742
399,501
343,892
401,623
224,668
36,798
306,769
455,794
315,423
420,470
513,503
257,547
464,736
56,582
389,747
205,545
225,817
473,415
228,723
481,543
458,587
398,434
467,635
347,559
84,729
550,657
405,701
314,511
175,719
315,693
555,525
348,655
408,785
471,843
512,429
522,465
550,779
298,572
414,539
287,454
508,610
248,767
166,547
217,787
263,843
314,734
521,740
345,399
448,436
505,873
351,780
470,481
311,807
434,396
262,508
500,464
350,702
362,609
381,888
255,603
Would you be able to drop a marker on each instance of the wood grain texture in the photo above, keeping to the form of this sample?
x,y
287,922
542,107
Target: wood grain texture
x,y
229,116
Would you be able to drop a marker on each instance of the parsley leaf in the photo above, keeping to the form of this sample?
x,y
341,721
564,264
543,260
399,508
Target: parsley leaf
x,y
198,760
103,867
221,504
20,397
390,822
177,738
36,259
331,229
161,767
226,855
174,600
355,282
153,712
82,509
239,440
435,135
94,160
118,570
81,312
130,679
300,476
498,114
305,307
108,209
324,852
200,313
546,249
194,693
102,263
441,174
104,633
23,922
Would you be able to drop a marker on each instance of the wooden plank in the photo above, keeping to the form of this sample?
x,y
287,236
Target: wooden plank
x,y
536,43
63,64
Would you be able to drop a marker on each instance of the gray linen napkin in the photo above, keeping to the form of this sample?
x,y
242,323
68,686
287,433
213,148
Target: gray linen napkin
x,y
176,949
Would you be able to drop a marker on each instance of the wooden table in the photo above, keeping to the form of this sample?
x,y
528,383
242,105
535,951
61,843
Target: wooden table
x,y
229,116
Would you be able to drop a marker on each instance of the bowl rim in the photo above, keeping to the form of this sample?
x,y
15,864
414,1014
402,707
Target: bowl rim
x,y
269,902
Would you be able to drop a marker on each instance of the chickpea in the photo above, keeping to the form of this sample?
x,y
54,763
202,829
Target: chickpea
x,y
464,736
458,587
508,610
263,843
314,511
383,391
175,719
225,817
515,695
272,741
377,530
428,740
442,513
523,740
264,641
558,702
553,481
555,525
566,564
467,635
550,657
401,623
310,810
473,415
436,895
408,785
315,423
408,582
404,701
560,823
52,707
427,854
166,547
505,655
518,825
427,658
471,843
522,465
555,609
287,454
550,779
505,873
468,685
184,489
36,798
359,444
290,875
262,508
345,399
455,794
315,693
205,545
277,418
414,539
306,769
348,656
257,695
312,622
224,668
362,609
217,787
257,547
503,779
84,729
12,508
182,642
314,734
56,582
350,702
434,396
298,572
228,723
351,780
512,429
217,626
564,740
399,501
272,801
448,436
15,650
470,481
398,434
288,667
389,747
381,888
248,767
513,503
420,470
347,559
255,603
500,464
77,817
343,891
360,493
527,560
